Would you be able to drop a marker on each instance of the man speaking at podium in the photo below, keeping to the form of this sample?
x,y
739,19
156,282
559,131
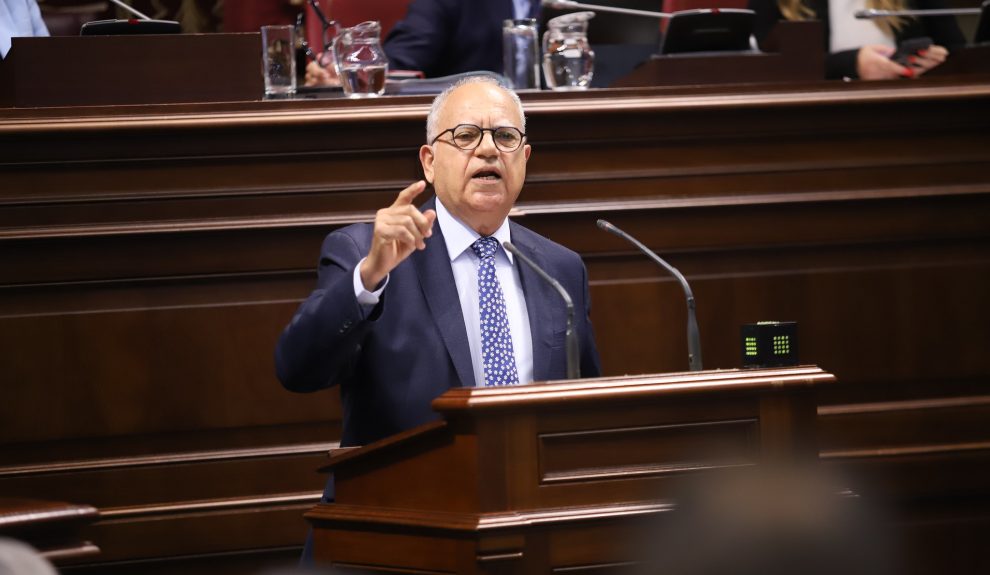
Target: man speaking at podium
x,y
427,299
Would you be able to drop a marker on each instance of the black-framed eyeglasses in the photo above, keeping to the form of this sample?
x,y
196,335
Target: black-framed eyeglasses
x,y
468,137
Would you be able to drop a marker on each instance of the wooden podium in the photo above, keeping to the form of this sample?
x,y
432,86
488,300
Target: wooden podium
x,y
536,478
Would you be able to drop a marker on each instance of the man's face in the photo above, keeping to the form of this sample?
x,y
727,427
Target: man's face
x,y
477,186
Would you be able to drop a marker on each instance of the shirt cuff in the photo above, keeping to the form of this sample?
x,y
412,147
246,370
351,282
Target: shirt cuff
x,y
365,297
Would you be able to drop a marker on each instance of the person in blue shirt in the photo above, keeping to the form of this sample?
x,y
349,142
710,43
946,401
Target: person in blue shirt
x,y
19,18
445,37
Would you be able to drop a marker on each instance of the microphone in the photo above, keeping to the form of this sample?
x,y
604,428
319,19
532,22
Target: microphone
x,y
131,9
145,25
874,13
573,368
694,339
569,4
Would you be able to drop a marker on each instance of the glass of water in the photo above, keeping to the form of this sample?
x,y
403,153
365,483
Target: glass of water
x,y
568,60
361,61
278,56
521,54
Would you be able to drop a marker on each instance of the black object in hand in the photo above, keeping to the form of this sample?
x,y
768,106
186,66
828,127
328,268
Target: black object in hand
x,y
909,48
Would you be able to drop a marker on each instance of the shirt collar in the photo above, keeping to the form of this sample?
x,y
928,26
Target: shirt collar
x,y
459,236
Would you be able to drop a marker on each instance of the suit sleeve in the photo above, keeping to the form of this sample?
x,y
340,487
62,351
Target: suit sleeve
x,y
842,64
418,41
320,345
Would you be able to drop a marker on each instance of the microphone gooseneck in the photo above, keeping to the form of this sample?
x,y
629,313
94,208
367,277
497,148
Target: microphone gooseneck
x,y
871,13
694,338
570,4
573,367
131,9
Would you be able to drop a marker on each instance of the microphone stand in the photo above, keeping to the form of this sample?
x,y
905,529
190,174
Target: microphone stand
x,y
143,24
131,9
693,337
568,4
573,367
873,13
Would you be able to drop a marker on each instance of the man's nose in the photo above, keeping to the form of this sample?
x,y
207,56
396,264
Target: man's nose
x,y
487,147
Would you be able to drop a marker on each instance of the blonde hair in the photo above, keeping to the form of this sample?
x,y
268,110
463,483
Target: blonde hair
x,y
798,10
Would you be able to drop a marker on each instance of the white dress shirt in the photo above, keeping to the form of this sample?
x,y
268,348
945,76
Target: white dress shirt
x,y
521,8
19,18
465,263
848,33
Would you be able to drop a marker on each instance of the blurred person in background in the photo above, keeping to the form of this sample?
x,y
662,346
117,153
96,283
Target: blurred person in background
x,y
19,18
251,15
769,520
862,48
445,37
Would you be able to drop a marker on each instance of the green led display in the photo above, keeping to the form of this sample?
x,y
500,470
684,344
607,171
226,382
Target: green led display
x,y
769,344
751,346
781,345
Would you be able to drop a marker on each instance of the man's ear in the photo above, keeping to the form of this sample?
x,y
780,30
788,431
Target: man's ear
x,y
426,159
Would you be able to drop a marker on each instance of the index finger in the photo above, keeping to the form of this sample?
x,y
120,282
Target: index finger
x,y
407,195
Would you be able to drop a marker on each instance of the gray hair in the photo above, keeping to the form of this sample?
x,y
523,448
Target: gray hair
x,y
441,100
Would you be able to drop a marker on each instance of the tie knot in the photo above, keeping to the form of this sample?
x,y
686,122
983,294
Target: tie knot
x,y
485,247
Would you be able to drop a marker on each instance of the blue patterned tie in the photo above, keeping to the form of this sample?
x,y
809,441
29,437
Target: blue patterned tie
x,y
496,340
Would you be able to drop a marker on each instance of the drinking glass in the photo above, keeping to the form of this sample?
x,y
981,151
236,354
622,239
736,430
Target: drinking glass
x,y
278,55
521,54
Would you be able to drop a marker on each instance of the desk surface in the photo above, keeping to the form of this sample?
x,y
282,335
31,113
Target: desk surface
x,y
601,100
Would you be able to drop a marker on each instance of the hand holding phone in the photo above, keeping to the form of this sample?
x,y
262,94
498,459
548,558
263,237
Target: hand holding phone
x,y
909,48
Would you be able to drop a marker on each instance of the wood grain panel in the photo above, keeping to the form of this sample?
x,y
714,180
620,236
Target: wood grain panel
x,y
201,531
161,355
247,561
50,527
110,487
150,256
581,549
635,451
438,555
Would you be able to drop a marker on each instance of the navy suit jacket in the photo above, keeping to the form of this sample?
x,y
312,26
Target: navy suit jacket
x,y
413,346
444,37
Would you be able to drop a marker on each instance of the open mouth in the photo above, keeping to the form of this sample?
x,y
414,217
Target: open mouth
x,y
487,175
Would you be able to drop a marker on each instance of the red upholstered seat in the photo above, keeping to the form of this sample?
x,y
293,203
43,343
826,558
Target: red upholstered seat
x,y
350,12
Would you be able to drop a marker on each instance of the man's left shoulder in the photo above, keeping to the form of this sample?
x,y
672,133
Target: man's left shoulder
x,y
544,245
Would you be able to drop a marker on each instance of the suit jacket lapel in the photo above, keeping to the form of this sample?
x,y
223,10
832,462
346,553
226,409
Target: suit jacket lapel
x,y
437,282
539,298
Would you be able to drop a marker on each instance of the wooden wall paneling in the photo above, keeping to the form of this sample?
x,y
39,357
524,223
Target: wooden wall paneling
x,y
51,527
924,463
150,255
244,561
